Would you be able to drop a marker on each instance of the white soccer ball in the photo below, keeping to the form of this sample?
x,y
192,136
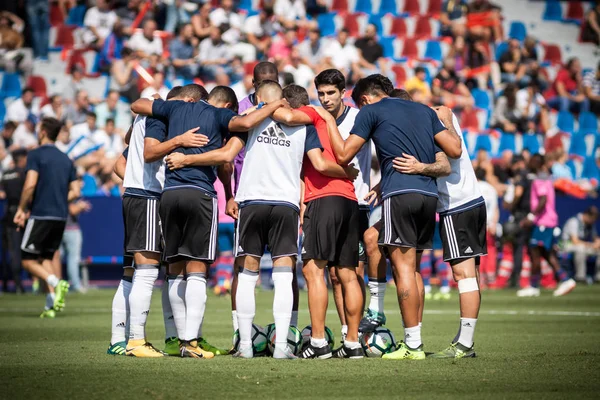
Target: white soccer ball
x,y
307,332
378,342
294,340
259,341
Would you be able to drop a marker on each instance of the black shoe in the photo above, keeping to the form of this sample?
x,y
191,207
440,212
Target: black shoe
x,y
345,352
371,321
316,352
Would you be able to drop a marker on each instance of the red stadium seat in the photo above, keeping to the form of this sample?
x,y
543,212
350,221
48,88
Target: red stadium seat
x,y
410,49
56,16
435,8
412,7
339,5
469,120
423,28
352,25
400,73
574,10
64,36
76,58
398,28
553,54
38,84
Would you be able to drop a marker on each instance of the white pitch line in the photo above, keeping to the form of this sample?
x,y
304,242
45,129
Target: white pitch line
x,y
6,310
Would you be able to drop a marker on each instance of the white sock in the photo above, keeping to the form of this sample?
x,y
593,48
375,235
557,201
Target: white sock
x,y
170,328
282,304
52,280
120,311
427,289
246,305
344,330
294,320
140,298
318,342
177,287
202,322
445,289
420,325
412,337
195,303
457,333
377,291
234,320
49,301
467,331
351,345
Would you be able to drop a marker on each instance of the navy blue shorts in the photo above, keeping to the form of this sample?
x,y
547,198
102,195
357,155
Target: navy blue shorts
x,y
542,236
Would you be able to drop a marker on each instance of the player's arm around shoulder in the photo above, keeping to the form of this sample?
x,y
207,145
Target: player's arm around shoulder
x,y
223,155
446,136
244,123
408,164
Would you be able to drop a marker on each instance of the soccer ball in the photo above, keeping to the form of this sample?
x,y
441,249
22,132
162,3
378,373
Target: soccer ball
x,y
294,340
378,342
259,341
307,331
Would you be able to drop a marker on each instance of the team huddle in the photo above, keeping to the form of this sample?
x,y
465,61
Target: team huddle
x,y
295,168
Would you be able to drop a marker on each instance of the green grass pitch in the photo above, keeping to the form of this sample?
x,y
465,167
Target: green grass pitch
x,y
527,348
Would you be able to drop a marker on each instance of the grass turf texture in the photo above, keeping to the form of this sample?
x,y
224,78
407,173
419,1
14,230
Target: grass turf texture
x,y
525,349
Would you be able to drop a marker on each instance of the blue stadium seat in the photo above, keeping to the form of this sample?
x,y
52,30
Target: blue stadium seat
x,y
572,164
500,49
433,51
364,6
388,7
326,23
517,31
76,15
588,122
566,122
11,86
482,99
590,169
507,142
553,11
245,5
2,112
388,46
376,20
531,143
483,142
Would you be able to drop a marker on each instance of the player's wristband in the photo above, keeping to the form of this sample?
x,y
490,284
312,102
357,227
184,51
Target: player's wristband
x,y
531,217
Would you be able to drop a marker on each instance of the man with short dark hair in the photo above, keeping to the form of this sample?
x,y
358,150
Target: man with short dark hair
x,y
580,239
19,110
50,183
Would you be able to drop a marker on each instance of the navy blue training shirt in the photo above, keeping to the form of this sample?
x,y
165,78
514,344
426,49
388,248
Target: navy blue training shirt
x,y
55,172
181,117
398,126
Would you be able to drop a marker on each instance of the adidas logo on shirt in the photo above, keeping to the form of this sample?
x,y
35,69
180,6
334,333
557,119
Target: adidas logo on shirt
x,y
274,135
469,250
240,250
31,247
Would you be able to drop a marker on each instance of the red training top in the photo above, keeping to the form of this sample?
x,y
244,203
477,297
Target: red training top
x,y
318,185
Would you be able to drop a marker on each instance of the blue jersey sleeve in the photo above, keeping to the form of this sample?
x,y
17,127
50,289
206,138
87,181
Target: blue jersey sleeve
x,y
33,161
312,139
437,125
156,129
223,116
73,173
162,108
365,123
126,152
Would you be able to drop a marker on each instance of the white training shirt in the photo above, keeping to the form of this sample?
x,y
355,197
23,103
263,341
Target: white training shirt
x,y
273,163
362,159
459,190
149,177
490,195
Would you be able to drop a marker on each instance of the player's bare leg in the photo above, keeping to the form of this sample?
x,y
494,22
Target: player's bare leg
x,y
353,303
338,297
377,272
318,299
420,287
57,289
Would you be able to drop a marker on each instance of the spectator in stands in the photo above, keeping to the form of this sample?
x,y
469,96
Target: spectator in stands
x,y
215,55
490,195
316,7
419,83
112,142
116,110
512,65
8,131
290,13
111,49
226,16
13,57
591,28
282,47
20,109
183,50
123,75
74,84
77,112
127,14
454,18
260,28
302,73
484,20
533,107
72,241
145,43
531,61
38,13
342,53
471,60
156,86
99,22
370,52
201,21
24,136
591,86
580,239
507,116
447,88
559,168
54,109
312,50
567,92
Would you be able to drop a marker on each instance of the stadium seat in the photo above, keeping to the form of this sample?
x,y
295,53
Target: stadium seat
x,y
590,169
76,58
576,168
532,143
483,142
11,86
352,25
64,36
38,84
552,54
553,11
422,28
468,119
566,122
2,112
388,7
507,142
398,28
501,49
574,11
588,122
245,5
400,73
433,51
412,7
388,46
364,6
76,15
410,48
517,31
376,20
482,99
434,8
56,16
326,23
340,5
